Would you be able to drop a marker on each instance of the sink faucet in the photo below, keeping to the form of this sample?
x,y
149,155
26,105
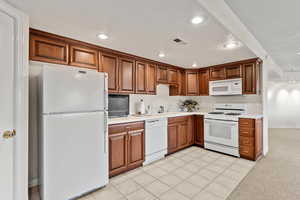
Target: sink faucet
x,y
161,109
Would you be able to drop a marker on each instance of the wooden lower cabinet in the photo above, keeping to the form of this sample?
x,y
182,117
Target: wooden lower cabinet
x,y
180,133
199,130
126,147
250,138
136,146
117,153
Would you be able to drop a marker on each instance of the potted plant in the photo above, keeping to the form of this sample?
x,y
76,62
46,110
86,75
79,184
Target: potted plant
x,y
189,105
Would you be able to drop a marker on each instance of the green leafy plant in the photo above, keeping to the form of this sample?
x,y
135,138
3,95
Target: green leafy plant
x,y
189,105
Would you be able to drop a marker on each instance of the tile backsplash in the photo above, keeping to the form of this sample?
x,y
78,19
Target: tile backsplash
x,y
171,103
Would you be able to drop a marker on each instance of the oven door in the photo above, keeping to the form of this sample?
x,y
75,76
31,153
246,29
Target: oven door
x,y
221,132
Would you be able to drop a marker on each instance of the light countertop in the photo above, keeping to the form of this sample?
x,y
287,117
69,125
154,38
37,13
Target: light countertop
x,y
135,118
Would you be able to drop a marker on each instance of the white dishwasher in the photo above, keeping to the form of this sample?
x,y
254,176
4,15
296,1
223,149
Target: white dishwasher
x,y
156,139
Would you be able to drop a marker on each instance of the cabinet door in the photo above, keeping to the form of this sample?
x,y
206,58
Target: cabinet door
x,y
162,74
151,79
172,76
249,78
48,50
141,77
126,75
84,57
110,66
117,153
172,137
233,72
204,82
199,130
191,130
182,135
217,73
136,152
181,83
192,83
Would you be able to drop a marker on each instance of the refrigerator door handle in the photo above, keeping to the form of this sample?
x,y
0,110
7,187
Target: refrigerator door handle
x,y
105,132
105,91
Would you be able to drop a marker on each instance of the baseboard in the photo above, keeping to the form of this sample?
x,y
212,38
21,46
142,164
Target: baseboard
x,y
33,182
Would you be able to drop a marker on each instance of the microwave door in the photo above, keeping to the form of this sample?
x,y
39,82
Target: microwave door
x,y
221,89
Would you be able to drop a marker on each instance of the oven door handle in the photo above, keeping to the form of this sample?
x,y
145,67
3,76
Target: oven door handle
x,y
222,121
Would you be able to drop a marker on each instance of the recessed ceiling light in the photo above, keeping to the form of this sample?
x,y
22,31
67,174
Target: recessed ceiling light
x,y
197,20
102,36
161,55
298,53
194,65
232,44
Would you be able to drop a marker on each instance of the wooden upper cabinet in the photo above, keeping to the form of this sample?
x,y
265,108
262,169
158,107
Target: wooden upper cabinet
x,y
172,76
136,147
179,89
126,75
46,49
162,74
250,78
110,66
140,77
192,83
84,57
204,82
151,79
217,73
234,71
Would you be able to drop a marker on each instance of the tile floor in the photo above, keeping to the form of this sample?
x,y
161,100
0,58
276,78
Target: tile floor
x,y
191,174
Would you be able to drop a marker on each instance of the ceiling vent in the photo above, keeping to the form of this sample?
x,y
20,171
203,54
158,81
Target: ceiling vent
x,y
179,41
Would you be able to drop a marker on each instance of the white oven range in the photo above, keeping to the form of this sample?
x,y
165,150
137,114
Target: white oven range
x,y
221,128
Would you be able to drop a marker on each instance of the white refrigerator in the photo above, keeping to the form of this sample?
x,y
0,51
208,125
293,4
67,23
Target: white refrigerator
x,y
73,140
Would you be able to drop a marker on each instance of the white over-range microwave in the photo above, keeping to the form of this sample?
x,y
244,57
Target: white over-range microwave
x,y
225,87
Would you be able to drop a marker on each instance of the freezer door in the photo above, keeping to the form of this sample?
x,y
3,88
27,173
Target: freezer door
x,y
71,89
75,159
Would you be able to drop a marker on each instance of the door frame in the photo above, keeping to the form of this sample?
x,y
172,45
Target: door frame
x,y
20,171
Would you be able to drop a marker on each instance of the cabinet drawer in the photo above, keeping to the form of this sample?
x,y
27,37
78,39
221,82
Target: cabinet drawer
x,y
247,152
177,119
116,129
247,132
246,123
246,141
135,126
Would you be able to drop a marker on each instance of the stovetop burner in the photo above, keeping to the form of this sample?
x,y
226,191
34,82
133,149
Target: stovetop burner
x,y
216,113
233,114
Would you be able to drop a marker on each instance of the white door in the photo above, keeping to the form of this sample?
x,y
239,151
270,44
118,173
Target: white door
x,y
71,89
6,104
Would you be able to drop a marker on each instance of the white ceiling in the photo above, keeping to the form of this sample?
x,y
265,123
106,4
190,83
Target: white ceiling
x,y
138,27
275,24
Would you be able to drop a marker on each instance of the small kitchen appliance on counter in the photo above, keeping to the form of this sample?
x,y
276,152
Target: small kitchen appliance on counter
x,y
221,128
